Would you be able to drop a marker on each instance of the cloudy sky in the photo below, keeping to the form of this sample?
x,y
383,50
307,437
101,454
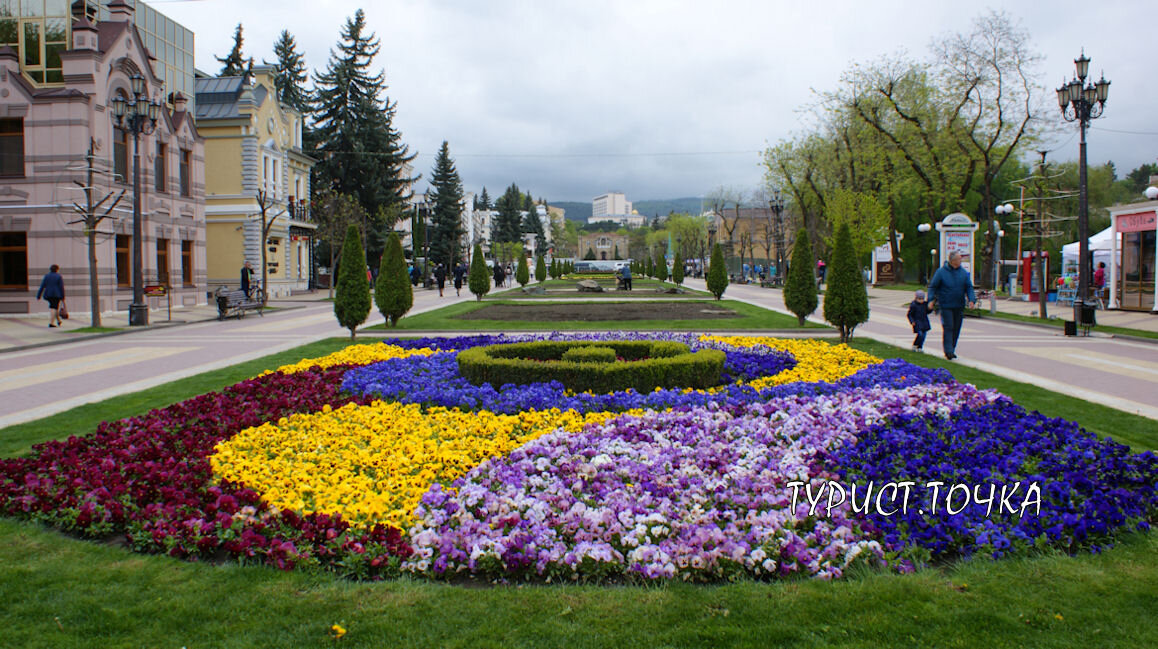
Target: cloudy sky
x,y
663,99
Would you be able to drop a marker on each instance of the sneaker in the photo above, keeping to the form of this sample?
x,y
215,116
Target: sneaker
x,y
919,350
950,357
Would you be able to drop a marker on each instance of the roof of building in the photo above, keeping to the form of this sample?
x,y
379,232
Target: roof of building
x,y
217,97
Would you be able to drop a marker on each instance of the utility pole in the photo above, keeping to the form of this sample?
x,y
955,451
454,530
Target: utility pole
x,y
1042,288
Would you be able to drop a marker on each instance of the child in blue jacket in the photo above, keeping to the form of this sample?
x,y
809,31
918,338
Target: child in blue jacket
x,y
919,311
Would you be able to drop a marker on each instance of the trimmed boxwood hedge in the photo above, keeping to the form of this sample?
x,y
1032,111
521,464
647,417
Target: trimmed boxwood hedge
x,y
647,365
590,355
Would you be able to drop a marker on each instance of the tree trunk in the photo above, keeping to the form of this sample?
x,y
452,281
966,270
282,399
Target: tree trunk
x,y
94,287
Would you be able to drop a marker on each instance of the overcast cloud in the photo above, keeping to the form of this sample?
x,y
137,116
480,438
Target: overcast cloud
x,y
570,99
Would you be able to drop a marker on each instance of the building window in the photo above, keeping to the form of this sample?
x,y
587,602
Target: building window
x,y
187,262
14,260
163,262
121,155
124,270
186,158
159,179
12,147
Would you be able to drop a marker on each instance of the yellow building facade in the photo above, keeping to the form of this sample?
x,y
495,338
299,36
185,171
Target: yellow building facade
x,y
256,178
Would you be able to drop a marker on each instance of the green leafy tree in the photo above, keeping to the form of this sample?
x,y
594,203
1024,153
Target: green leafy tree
x,y
235,64
290,74
479,279
540,269
446,212
360,152
867,218
660,267
522,273
677,268
717,273
352,302
392,292
800,289
845,300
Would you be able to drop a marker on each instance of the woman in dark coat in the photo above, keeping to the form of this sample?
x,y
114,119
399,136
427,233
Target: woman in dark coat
x,y
459,273
440,277
52,289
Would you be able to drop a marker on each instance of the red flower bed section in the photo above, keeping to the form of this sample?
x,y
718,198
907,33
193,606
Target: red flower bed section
x,y
147,480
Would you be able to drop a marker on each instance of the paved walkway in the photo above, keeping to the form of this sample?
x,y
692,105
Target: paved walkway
x,y
51,376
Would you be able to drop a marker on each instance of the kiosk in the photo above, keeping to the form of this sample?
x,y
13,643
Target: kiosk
x,y
957,231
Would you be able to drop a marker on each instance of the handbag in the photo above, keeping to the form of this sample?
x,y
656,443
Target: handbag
x,y
63,311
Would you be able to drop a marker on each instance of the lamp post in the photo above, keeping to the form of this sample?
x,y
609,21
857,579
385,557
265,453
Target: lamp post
x,y
1005,209
776,204
924,229
137,115
932,262
1081,103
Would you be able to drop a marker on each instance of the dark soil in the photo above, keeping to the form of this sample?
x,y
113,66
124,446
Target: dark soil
x,y
592,312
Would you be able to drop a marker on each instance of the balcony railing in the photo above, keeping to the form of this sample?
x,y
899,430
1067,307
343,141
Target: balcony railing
x,y
298,209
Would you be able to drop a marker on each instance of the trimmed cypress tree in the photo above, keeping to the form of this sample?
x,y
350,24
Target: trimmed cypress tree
x,y
522,274
845,300
800,289
540,269
717,273
479,280
392,293
649,267
617,252
660,267
677,269
352,300
590,253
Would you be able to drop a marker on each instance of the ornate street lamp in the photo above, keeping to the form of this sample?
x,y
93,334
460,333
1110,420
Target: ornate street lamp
x,y
1081,103
1000,210
137,115
924,229
776,204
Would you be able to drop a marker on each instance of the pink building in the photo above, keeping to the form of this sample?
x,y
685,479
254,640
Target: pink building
x,y
46,130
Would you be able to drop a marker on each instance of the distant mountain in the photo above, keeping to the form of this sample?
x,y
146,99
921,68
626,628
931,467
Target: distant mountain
x,y
582,211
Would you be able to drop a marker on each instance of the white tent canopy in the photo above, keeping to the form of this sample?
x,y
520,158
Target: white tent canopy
x,y
1099,248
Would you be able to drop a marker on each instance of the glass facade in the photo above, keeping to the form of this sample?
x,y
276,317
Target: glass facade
x,y
39,30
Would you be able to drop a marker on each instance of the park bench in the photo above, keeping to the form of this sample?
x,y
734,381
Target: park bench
x,y
235,303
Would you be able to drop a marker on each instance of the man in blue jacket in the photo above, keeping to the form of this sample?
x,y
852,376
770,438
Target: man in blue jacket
x,y
953,290
52,289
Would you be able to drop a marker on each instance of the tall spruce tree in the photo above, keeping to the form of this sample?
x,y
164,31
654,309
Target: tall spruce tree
x,y
845,299
352,302
290,74
800,289
484,200
359,151
235,64
446,197
507,225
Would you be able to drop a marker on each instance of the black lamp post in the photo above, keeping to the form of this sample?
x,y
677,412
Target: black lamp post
x,y
1081,103
137,115
777,207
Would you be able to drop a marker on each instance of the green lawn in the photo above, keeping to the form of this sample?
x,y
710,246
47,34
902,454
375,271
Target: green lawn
x,y
641,288
61,592
93,330
444,319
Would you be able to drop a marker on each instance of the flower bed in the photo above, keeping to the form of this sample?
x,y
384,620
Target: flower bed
x,y
383,458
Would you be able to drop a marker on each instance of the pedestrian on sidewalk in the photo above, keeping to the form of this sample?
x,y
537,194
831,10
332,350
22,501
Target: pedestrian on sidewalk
x,y
952,288
52,289
821,270
919,311
440,277
459,274
246,278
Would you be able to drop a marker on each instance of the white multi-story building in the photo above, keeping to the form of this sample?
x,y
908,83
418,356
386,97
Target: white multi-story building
x,y
614,206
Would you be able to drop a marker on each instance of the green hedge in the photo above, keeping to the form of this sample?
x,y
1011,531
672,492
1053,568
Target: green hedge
x,y
646,366
590,355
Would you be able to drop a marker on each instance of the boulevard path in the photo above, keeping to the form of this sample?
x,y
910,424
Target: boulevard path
x,y
1115,372
38,382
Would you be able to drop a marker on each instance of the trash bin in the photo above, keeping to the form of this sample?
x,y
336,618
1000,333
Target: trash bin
x,y
1071,328
1087,313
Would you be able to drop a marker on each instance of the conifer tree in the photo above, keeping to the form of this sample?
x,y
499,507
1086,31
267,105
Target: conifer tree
x,y
590,254
479,280
540,269
800,288
677,269
360,152
393,293
290,74
649,268
845,298
352,302
522,273
507,224
717,273
446,196
484,201
660,267
235,64
617,251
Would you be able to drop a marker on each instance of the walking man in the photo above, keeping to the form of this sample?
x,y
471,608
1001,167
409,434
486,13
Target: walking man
x,y
953,290
246,278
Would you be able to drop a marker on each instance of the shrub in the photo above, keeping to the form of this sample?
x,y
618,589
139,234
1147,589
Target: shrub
x,y
647,365
590,254
717,273
800,289
522,274
845,301
592,354
479,280
393,294
352,299
540,269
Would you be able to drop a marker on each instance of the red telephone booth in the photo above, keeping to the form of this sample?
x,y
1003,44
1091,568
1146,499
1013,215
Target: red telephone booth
x,y
1030,282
